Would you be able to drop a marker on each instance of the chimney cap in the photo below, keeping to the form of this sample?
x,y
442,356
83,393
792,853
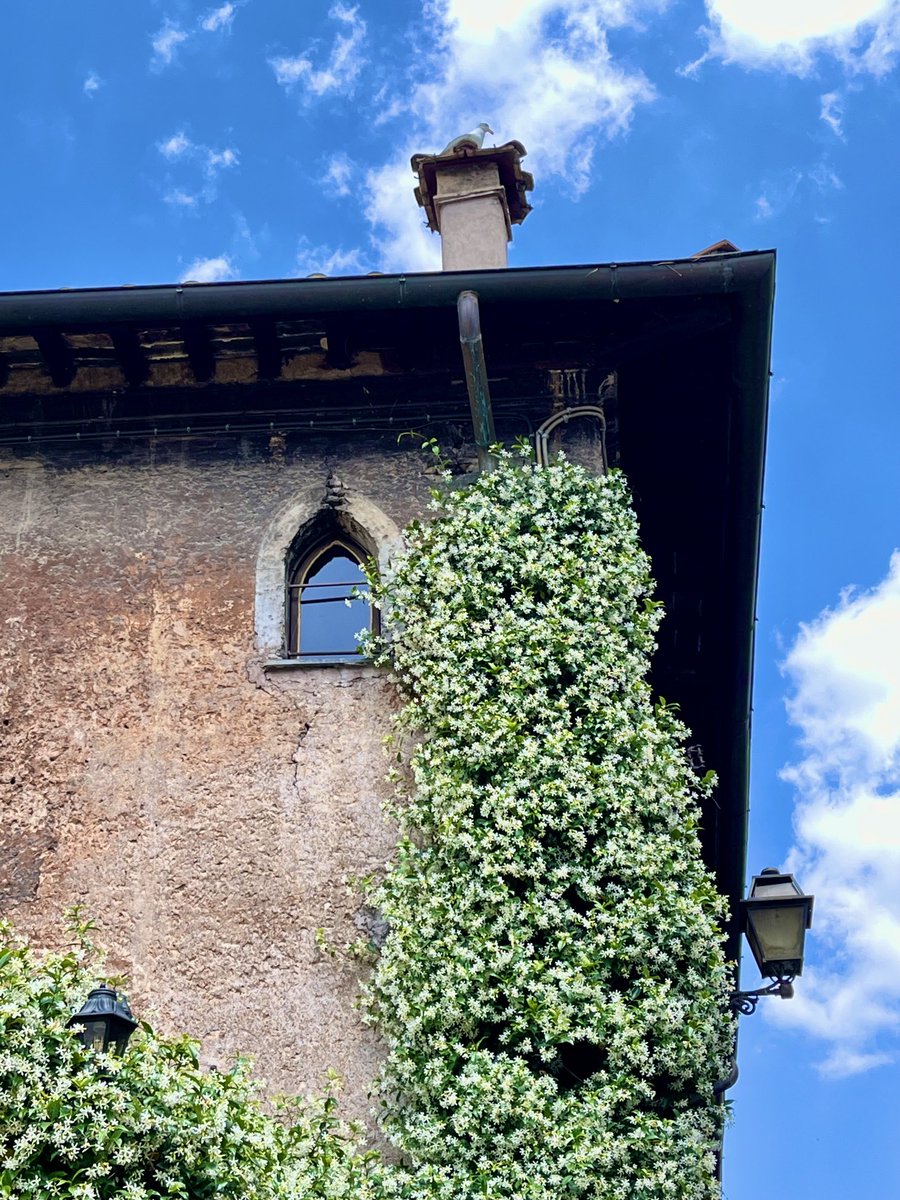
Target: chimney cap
x,y
508,159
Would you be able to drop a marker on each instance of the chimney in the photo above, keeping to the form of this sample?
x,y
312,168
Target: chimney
x,y
472,197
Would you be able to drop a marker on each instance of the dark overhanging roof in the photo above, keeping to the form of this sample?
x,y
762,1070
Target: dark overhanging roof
x,y
690,338
236,299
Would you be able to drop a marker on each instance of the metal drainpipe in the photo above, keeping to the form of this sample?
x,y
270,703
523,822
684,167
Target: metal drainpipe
x,y
721,1086
476,377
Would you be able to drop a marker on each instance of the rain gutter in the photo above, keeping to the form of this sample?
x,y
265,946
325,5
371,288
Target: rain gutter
x,y
285,299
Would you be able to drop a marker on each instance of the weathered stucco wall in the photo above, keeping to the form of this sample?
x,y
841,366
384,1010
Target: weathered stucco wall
x,y
207,811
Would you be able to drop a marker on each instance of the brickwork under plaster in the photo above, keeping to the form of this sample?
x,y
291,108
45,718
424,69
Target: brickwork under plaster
x,y
206,811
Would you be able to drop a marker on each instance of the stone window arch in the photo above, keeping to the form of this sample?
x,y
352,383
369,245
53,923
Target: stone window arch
x,y
306,538
325,595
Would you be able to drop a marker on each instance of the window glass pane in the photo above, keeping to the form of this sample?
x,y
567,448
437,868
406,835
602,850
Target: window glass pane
x,y
328,624
339,569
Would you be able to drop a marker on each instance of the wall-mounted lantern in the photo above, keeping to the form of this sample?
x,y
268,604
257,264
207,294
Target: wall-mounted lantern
x,y
775,918
106,1020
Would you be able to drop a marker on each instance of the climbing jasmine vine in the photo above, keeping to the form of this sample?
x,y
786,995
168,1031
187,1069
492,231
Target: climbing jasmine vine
x,y
553,990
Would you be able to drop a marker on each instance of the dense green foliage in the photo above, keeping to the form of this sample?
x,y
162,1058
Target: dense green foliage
x,y
553,988
148,1124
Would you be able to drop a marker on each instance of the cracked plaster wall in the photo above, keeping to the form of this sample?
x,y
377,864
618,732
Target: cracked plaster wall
x,y
206,811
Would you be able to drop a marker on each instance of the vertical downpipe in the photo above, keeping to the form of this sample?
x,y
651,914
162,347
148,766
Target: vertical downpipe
x,y
476,377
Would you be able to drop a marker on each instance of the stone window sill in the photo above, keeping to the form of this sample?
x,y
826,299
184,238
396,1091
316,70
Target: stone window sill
x,y
311,660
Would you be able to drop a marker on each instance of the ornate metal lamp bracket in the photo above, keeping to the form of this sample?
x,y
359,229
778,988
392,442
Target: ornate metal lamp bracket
x,y
744,1003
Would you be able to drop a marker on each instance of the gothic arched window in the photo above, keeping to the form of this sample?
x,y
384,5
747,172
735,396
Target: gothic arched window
x,y
327,600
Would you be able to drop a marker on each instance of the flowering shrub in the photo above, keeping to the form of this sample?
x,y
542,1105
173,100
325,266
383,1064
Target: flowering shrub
x,y
148,1124
553,989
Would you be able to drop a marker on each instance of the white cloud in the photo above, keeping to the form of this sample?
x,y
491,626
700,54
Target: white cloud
x,y
219,18
336,179
845,672
180,199
764,208
244,237
217,159
797,186
401,237
176,145
199,161
393,109
825,178
322,260
91,84
790,34
166,41
209,270
881,54
536,70
832,112
180,146
289,70
344,62
792,186
170,36
540,70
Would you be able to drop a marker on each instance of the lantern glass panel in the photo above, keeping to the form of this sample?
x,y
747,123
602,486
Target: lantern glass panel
x,y
122,1034
94,1036
779,932
780,886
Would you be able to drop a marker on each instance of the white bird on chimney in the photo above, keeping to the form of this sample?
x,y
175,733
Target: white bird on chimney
x,y
466,143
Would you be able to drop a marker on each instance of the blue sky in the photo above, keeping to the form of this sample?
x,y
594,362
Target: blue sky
x,y
152,141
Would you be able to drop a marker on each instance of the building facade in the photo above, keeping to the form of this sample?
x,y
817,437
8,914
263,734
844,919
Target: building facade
x,y
182,754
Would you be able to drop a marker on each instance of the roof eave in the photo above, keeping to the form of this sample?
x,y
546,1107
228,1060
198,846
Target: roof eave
x,y
236,300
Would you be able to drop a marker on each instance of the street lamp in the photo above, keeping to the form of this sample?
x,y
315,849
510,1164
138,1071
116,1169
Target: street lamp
x,y
775,918
106,1020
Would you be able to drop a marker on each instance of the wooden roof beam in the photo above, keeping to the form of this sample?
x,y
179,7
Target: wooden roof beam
x,y
132,359
340,347
57,356
199,348
268,349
